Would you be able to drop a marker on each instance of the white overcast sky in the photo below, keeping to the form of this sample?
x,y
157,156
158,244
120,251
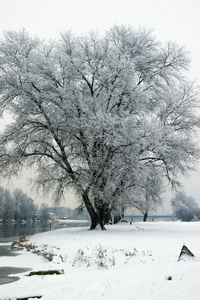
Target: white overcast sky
x,y
175,20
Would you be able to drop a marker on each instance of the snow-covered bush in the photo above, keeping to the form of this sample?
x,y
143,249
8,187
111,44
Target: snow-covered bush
x,y
101,257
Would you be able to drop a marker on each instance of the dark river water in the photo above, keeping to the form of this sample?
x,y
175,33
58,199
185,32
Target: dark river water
x,y
10,232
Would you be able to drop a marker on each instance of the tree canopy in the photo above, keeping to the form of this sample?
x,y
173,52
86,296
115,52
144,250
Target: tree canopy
x,y
101,114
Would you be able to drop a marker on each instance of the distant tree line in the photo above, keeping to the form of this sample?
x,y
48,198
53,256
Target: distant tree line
x,y
16,206
19,207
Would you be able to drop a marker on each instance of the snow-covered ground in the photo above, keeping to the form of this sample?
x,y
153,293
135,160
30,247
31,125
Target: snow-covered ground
x,y
138,261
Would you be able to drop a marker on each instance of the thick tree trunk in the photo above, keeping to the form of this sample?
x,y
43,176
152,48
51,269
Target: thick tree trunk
x,y
93,222
95,217
117,218
91,211
145,216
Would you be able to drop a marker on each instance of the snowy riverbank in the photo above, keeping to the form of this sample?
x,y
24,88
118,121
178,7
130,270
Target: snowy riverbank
x,y
124,262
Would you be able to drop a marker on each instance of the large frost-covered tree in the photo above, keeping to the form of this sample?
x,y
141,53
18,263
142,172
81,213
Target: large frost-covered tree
x,y
96,113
